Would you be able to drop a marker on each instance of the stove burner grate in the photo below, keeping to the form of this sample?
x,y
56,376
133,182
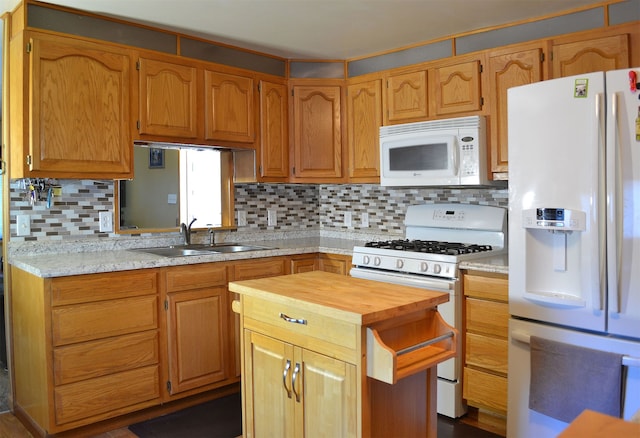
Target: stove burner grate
x,y
430,246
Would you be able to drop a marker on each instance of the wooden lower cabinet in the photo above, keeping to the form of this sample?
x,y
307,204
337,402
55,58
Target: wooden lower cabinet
x,y
336,263
85,347
295,411
197,312
486,309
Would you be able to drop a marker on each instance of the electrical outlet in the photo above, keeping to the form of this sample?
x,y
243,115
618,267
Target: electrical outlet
x,y
242,218
347,219
106,222
272,217
364,220
23,223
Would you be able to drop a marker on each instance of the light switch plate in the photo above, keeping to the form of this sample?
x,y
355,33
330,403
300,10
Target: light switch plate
x,y
23,223
364,220
347,219
242,218
106,222
272,217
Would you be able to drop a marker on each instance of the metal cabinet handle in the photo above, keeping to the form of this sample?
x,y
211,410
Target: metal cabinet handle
x,y
287,367
296,371
293,320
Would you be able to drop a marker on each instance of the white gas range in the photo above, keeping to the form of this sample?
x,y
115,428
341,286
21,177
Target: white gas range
x,y
438,238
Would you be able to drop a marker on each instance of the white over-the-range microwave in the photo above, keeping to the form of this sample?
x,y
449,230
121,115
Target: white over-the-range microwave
x,y
447,152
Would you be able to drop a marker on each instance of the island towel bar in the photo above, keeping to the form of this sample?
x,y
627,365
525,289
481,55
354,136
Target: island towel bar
x,y
424,344
628,361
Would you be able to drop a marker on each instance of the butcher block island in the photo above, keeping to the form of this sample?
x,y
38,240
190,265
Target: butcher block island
x,y
330,355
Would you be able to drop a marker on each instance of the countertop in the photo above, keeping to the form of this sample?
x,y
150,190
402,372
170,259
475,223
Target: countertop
x,y
62,264
78,263
339,296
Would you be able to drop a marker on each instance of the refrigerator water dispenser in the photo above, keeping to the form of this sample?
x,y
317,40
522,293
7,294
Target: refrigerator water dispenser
x,y
554,255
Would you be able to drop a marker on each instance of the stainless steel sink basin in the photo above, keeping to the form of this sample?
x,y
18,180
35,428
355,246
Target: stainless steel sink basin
x,y
201,249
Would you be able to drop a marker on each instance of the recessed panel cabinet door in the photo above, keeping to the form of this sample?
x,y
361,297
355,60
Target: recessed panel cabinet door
x,y
599,54
79,108
457,88
197,327
317,142
274,137
167,99
364,118
508,70
229,107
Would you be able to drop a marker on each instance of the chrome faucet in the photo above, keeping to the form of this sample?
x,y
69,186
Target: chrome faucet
x,y
212,238
186,231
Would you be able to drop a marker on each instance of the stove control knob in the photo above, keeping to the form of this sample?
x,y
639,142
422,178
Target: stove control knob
x,y
399,263
424,266
437,269
377,261
366,260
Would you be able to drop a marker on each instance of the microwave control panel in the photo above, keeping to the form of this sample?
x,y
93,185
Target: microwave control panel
x,y
469,160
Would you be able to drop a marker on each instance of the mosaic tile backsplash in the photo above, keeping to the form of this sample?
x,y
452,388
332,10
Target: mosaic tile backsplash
x,y
74,214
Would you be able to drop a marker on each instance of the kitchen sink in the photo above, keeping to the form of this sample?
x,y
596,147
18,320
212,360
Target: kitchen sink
x,y
201,249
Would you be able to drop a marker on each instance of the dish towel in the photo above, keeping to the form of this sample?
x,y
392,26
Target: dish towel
x,y
567,379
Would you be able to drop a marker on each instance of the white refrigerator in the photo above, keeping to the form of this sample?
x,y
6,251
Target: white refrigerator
x,y
574,240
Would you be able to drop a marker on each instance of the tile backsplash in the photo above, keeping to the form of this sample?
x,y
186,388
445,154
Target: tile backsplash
x,y
321,208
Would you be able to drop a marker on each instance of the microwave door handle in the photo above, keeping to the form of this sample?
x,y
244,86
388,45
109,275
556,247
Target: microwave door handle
x,y
455,158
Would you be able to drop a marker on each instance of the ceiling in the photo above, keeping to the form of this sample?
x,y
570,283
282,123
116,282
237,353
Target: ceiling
x,y
321,29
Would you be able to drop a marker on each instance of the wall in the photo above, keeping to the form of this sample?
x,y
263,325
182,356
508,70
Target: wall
x,y
314,208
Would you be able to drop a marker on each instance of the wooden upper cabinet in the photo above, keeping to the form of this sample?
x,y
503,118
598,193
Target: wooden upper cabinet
x,y
168,99
518,66
274,134
600,54
77,121
364,118
317,132
406,97
229,107
456,88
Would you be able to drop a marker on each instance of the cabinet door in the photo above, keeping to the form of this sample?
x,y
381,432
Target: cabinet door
x,y
600,54
79,109
457,88
274,138
317,143
507,70
197,329
229,107
406,97
167,99
335,263
364,118
268,396
329,395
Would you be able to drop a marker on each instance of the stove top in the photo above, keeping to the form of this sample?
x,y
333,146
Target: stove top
x,y
430,246
438,237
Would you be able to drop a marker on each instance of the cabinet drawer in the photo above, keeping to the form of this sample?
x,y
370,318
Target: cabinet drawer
x,y
77,362
116,393
485,390
85,322
320,333
196,277
491,287
488,317
487,352
101,287
260,268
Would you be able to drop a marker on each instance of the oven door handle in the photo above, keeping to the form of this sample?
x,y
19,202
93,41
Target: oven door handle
x,y
423,282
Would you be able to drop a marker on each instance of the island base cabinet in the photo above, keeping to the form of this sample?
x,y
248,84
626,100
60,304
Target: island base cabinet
x,y
294,392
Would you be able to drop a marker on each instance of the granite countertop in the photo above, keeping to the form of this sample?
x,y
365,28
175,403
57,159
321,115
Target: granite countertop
x,y
494,264
90,262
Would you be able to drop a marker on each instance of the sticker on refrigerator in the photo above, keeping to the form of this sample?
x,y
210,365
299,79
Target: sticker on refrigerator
x,y
581,88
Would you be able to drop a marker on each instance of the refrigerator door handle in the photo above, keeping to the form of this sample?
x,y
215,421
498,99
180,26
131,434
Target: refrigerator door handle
x,y
599,294
525,338
615,209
